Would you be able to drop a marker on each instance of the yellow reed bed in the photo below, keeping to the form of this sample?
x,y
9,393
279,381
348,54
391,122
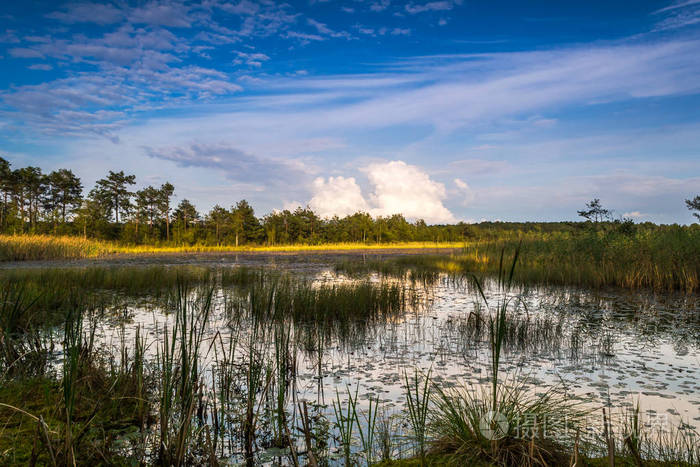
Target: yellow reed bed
x,y
289,248
47,247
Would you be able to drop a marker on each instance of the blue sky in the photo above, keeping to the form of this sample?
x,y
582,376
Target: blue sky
x,y
443,110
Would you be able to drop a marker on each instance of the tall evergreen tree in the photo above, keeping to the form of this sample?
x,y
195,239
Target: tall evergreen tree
x,y
147,206
64,192
32,185
252,231
236,221
5,190
694,206
164,194
595,212
186,213
218,217
92,216
113,193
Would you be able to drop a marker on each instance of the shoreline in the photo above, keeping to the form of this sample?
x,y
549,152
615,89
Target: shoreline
x,y
176,257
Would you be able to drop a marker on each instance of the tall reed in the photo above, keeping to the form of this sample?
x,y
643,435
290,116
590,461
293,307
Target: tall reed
x,y
179,357
418,394
661,258
345,419
368,433
482,424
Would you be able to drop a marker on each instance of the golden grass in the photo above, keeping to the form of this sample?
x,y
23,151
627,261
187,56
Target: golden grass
x,y
290,248
664,260
46,247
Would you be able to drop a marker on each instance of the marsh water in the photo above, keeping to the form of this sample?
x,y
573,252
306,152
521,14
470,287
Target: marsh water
x,y
609,348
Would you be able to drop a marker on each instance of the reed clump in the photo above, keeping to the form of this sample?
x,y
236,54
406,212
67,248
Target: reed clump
x,y
503,423
48,247
665,258
71,418
271,297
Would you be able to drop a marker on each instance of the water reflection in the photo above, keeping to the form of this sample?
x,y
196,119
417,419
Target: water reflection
x,y
609,348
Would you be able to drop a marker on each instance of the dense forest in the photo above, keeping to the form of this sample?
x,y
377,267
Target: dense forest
x,y
32,202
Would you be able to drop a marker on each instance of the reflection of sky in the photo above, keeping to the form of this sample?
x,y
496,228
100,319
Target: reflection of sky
x,y
663,379
618,357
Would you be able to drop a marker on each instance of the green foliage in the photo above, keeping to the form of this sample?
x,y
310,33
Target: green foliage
x,y
345,419
694,206
595,212
656,257
418,390
112,193
34,203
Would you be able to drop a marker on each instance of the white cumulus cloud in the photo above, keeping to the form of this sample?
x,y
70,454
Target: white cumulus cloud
x,y
337,196
396,188
405,189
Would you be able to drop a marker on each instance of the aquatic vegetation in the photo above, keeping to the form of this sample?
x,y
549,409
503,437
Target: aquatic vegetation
x,y
369,433
679,445
217,365
502,428
387,433
418,391
667,258
345,418
22,347
61,419
179,369
503,424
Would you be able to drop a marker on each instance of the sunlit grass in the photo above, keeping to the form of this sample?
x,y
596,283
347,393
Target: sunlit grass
x,y
46,247
666,259
299,247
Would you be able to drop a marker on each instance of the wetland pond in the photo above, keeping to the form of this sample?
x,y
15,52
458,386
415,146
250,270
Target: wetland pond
x,y
277,348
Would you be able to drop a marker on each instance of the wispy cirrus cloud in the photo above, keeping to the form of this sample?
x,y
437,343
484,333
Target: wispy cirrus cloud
x,y
449,93
444,92
162,13
142,58
401,32
379,5
88,12
677,15
323,29
77,105
40,66
442,5
9,36
24,52
237,164
254,59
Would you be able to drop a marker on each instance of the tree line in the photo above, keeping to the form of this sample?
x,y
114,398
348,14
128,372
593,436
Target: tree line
x,y
54,203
